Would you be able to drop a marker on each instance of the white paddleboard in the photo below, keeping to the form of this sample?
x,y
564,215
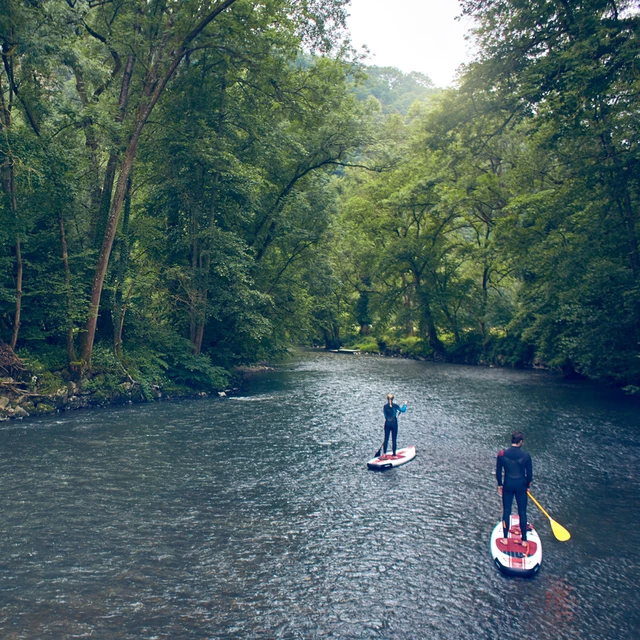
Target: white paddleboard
x,y
389,461
513,558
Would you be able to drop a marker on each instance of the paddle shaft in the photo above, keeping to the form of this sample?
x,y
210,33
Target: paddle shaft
x,y
558,530
539,506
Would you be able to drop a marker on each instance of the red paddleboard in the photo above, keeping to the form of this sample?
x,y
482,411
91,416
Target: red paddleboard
x,y
389,461
513,558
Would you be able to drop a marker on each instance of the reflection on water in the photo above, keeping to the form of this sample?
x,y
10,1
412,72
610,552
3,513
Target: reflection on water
x,y
560,604
256,517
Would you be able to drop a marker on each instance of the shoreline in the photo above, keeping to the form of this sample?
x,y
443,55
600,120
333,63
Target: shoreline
x,y
19,399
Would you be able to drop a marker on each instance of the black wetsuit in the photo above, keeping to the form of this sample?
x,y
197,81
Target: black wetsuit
x,y
391,425
518,474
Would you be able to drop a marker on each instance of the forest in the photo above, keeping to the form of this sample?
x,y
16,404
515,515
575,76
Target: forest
x,y
193,186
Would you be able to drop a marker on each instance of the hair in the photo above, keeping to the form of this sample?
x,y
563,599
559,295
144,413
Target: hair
x,y
390,396
516,437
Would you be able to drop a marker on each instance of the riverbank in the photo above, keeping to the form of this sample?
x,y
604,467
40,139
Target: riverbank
x,y
497,354
30,394
19,399
33,385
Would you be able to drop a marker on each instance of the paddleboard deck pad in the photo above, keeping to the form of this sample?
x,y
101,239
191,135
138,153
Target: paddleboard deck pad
x,y
513,558
389,461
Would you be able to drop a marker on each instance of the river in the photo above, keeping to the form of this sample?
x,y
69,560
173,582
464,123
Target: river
x,y
255,516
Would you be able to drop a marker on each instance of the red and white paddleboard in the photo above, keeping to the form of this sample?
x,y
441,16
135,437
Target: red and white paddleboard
x,y
388,461
513,558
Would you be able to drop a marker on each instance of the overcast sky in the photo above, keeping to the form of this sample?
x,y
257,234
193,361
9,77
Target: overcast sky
x,y
412,35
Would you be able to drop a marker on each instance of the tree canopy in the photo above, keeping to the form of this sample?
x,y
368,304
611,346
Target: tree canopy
x,y
188,187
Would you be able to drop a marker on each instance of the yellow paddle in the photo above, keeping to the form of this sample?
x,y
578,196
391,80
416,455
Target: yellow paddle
x,y
558,530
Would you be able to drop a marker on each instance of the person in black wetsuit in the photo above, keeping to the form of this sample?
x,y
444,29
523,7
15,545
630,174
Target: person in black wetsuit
x,y
514,473
391,410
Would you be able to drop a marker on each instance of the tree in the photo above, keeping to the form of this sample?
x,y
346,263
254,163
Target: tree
x,y
169,43
571,68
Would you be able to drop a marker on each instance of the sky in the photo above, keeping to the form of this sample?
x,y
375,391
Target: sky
x,y
412,35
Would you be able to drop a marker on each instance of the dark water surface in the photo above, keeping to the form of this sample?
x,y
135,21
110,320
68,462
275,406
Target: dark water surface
x,y
256,517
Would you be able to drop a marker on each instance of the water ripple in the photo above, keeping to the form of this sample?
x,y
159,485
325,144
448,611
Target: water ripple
x,y
255,516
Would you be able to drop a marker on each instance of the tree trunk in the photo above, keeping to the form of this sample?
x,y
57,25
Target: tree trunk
x,y
482,320
427,323
432,333
107,244
11,189
153,89
71,351
206,267
204,295
18,312
194,292
119,323
102,214
9,183
331,336
453,323
90,143
197,347
150,98
406,302
13,90
120,306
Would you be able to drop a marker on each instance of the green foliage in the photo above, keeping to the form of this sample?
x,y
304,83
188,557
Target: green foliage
x,y
41,358
414,346
395,90
49,383
195,371
230,194
281,195
164,359
504,227
103,387
368,345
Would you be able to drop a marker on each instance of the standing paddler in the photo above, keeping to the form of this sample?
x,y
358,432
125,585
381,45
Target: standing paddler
x,y
514,473
391,410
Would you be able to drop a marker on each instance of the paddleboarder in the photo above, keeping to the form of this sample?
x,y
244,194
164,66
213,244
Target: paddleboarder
x,y
514,473
391,410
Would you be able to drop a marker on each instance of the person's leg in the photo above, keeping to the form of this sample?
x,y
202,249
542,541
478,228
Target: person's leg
x,y
394,435
387,431
521,501
507,499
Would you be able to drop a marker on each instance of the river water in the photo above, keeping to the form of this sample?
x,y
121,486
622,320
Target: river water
x,y
256,517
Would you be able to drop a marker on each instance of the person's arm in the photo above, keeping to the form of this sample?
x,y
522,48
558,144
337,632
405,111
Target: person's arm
x,y
403,408
499,471
529,472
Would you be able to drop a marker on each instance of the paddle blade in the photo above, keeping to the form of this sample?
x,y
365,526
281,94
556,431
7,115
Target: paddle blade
x,y
377,453
559,531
